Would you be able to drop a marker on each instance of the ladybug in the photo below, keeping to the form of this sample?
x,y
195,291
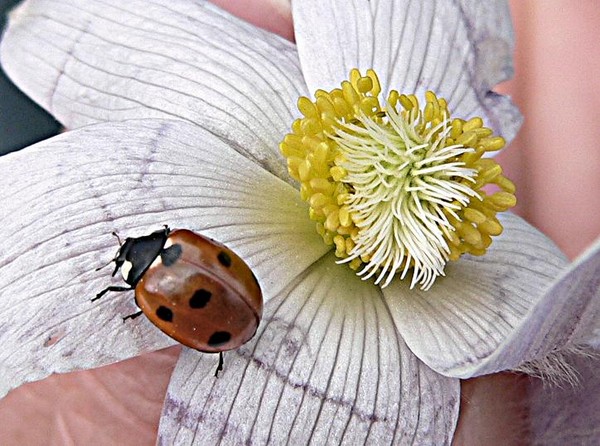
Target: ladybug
x,y
194,289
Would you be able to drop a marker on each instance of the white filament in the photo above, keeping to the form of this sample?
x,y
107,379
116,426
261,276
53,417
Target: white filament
x,y
403,188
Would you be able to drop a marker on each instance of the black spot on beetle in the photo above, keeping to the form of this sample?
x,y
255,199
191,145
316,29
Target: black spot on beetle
x,y
219,338
200,298
164,314
225,259
171,254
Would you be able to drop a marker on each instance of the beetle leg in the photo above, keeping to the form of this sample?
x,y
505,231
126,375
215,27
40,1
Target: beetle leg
x,y
220,366
111,288
133,315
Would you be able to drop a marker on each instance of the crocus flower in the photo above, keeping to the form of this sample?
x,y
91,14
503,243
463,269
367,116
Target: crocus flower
x,y
181,109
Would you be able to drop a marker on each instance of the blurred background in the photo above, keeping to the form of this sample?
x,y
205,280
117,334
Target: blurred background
x,y
21,121
555,159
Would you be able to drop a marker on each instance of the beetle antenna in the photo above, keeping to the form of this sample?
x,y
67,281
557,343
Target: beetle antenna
x,y
116,255
105,265
118,238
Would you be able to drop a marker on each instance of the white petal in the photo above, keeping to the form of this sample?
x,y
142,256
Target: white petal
x,y
567,415
62,199
110,60
567,315
325,367
578,292
460,50
458,324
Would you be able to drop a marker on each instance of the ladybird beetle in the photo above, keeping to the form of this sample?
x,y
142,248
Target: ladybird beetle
x,y
194,289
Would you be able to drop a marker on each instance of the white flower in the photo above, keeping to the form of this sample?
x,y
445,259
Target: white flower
x,y
196,103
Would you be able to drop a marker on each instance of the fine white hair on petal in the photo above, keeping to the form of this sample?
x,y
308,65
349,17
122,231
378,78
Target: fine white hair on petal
x,y
558,367
567,414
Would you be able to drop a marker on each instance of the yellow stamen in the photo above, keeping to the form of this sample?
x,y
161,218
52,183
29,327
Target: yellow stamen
x,y
393,186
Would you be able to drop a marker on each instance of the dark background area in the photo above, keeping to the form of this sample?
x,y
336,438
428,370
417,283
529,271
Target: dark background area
x,y
22,122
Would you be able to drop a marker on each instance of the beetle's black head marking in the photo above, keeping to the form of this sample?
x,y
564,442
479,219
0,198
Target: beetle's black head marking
x,y
140,252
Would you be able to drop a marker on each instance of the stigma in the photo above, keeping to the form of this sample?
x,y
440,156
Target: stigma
x,y
397,188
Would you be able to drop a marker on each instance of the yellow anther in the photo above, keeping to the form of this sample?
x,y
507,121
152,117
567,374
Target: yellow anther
x,y
483,132
472,124
319,200
320,228
491,227
469,234
329,208
328,238
355,264
393,98
369,106
457,128
406,102
454,253
364,84
474,215
492,144
337,173
305,191
376,86
490,173
307,107
430,97
349,245
293,164
503,200
341,107
342,198
467,139
429,111
453,238
316,215
322,185
506,185
321,152
304,170
311,126
325,105
354,76
350,94
332,222
340,246
344,216
443,104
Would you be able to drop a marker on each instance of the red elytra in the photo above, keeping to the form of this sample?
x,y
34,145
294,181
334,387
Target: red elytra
x,y
196,290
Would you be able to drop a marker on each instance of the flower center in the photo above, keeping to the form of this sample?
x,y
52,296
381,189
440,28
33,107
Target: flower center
x,y
396,188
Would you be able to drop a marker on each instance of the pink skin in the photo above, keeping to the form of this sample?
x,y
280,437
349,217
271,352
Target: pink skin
x,y
558,71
